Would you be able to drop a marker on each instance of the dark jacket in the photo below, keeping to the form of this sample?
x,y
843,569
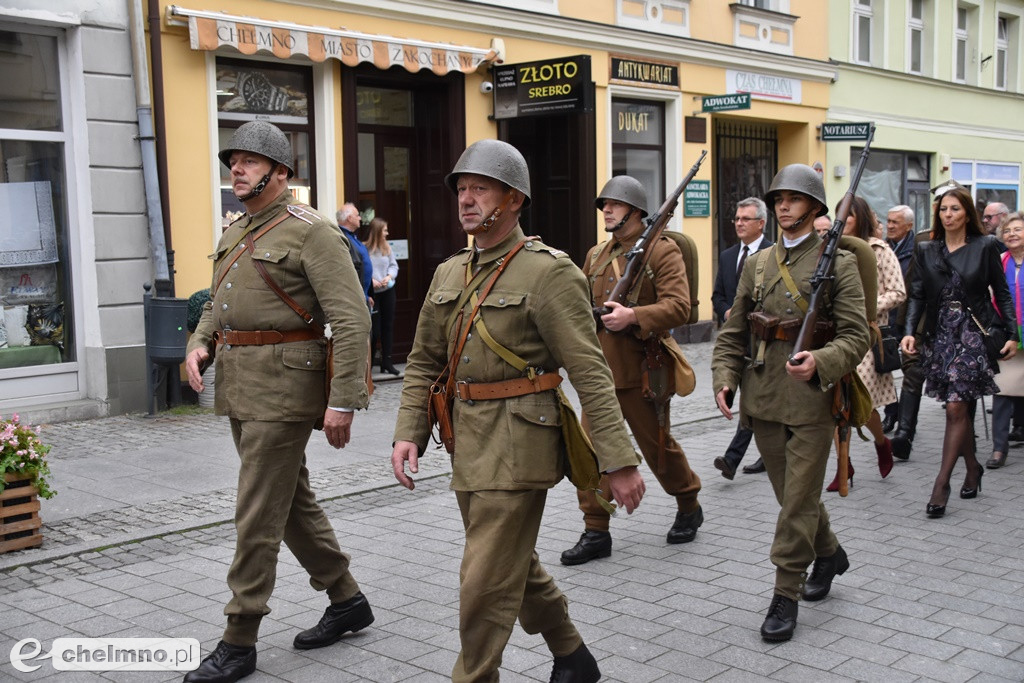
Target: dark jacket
x,y
979,267
725,282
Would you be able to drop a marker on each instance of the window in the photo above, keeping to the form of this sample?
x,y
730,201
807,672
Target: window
x,y
866,43
281,94
965,57
772,5
638,144
894,177
35,263
1002,46
763,25
670,17
916,38
990,181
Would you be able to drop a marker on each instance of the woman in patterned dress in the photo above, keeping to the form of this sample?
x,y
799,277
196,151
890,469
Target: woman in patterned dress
x,y
861,223
950,288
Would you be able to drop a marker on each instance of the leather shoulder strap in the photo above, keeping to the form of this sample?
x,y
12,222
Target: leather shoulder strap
x,y
306,316
227,266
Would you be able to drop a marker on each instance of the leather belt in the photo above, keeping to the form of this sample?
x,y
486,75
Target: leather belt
x,y
263,337
482,391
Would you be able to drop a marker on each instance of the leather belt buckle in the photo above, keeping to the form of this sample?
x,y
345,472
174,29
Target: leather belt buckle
x,y
459,388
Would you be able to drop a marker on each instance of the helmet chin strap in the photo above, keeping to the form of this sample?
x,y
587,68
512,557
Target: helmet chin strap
x,y
622,222
260,186
487,223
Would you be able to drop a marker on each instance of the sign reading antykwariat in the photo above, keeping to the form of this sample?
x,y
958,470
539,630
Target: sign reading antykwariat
x,y
553,86
845,131
643,72
712,103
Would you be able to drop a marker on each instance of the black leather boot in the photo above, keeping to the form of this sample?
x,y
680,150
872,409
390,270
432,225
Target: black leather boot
x,y
226,664
592,545
352,615
903,439
780,622
892,411
819,583
579,667
684,529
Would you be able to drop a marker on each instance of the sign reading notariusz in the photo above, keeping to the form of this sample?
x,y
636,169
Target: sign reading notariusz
x,y
725,102
845,131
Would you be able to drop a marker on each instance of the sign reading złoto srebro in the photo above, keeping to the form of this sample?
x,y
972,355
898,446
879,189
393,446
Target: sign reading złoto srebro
x,y
725,102
845,131
553,86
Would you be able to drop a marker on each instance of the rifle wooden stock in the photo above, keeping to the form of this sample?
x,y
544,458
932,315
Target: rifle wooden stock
x,y
827,261
640,254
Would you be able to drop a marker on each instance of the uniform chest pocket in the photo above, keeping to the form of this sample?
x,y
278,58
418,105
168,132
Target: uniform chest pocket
x,y
314,359
505,316
273,261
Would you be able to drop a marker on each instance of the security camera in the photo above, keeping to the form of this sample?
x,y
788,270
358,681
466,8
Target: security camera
x,y
486,87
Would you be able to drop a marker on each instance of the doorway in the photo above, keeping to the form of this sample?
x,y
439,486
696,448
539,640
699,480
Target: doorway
x,y
746,160
402,135
560,153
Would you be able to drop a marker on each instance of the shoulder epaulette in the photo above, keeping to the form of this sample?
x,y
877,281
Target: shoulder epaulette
x,y
304,213
534,243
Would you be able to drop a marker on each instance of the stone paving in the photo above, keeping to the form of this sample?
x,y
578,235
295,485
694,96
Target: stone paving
x,y
924,600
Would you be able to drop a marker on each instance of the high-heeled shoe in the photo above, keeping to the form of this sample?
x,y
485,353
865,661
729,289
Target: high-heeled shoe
x,y
966,492
834,486
884,451
935,511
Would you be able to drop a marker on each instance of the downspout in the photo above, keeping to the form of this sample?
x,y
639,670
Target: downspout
x,y
154,166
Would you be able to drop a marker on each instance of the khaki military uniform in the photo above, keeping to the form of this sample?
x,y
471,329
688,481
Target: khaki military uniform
x,y
275,394
792,420
509,451
662,302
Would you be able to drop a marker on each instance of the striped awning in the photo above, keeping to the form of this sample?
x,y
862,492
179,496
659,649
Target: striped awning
x,y
249,36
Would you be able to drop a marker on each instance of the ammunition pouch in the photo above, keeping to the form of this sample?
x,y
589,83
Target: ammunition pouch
x,y
439,413
762,325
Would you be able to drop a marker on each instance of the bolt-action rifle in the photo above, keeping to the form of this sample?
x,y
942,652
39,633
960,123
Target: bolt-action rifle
x,y
640,254
822,278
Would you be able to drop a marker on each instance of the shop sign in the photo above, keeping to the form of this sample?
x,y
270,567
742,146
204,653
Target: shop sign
x,y
554,86
697,199
713,103
764,86
845,131
638,72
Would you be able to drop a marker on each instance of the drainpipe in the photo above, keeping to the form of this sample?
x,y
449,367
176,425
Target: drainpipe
x,y
154,165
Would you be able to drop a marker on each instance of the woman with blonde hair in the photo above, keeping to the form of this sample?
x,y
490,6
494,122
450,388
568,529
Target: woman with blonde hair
x,y
385,270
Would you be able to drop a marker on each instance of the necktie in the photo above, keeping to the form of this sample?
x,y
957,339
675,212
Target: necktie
x,y
743,258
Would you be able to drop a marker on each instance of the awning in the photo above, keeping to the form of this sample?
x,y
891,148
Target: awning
x,y
249,35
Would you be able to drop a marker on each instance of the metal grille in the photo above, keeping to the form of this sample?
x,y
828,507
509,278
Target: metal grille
x,y
746,162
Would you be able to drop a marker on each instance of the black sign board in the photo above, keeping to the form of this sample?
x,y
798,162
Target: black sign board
x,y
644,73
725,102
845,131
553,86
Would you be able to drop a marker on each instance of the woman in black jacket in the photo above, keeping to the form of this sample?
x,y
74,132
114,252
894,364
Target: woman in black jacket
x,y
953,274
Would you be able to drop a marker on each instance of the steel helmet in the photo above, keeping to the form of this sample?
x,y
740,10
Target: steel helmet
x,y
263,138
798,178
625,189
494,159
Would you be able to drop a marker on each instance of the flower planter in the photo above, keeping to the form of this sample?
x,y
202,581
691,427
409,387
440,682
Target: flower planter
x,y
20,526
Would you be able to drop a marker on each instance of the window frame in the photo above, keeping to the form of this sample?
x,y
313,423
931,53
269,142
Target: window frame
x,y
961,38
862,10
1002,51
916,25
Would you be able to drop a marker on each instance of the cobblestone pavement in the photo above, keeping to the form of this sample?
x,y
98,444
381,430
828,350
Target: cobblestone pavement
x,y
924,600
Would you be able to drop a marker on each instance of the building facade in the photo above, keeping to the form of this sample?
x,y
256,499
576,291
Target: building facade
x,y
74,236
941,79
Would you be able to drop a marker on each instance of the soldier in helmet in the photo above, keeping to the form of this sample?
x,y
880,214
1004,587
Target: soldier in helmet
x,y
505,350
271,358
789,404
660,300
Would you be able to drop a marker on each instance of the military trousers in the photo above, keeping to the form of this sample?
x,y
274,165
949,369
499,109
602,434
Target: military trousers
x,y
670,467
501,579
795,457
275,503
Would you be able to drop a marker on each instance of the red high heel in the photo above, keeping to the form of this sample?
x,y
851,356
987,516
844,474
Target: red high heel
x,y
884,451
834,486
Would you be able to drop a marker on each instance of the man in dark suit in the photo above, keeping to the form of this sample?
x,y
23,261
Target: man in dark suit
x,y
751,214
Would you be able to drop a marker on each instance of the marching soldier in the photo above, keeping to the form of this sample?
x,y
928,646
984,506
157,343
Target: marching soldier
x,y
662,301
504,315
789,406
281,272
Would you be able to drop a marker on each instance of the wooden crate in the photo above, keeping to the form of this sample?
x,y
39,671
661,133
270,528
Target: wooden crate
x,y
20,525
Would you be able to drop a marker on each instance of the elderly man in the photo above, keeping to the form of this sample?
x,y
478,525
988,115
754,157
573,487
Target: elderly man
x,y
348,221
993,215
501,318
751,214
899,233
282,273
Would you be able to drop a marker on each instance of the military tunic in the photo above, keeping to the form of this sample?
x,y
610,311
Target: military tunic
x,y
662,298
275,393
508,452
792,420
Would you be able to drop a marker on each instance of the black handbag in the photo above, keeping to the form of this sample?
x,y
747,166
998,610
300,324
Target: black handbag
x,y
886,351
995,337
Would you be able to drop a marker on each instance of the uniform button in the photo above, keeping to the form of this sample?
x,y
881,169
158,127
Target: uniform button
x,y
465,359
501,301
469,335
543,418
611,279
234,265
227,286
308,363
830,385
471,402
529,244
789,295
223,307
227,347
266,255
789,310
607,291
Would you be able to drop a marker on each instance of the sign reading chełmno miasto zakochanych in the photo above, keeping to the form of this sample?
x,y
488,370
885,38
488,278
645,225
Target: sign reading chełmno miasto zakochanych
x,y
845,131
697,198
553,86
712,103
